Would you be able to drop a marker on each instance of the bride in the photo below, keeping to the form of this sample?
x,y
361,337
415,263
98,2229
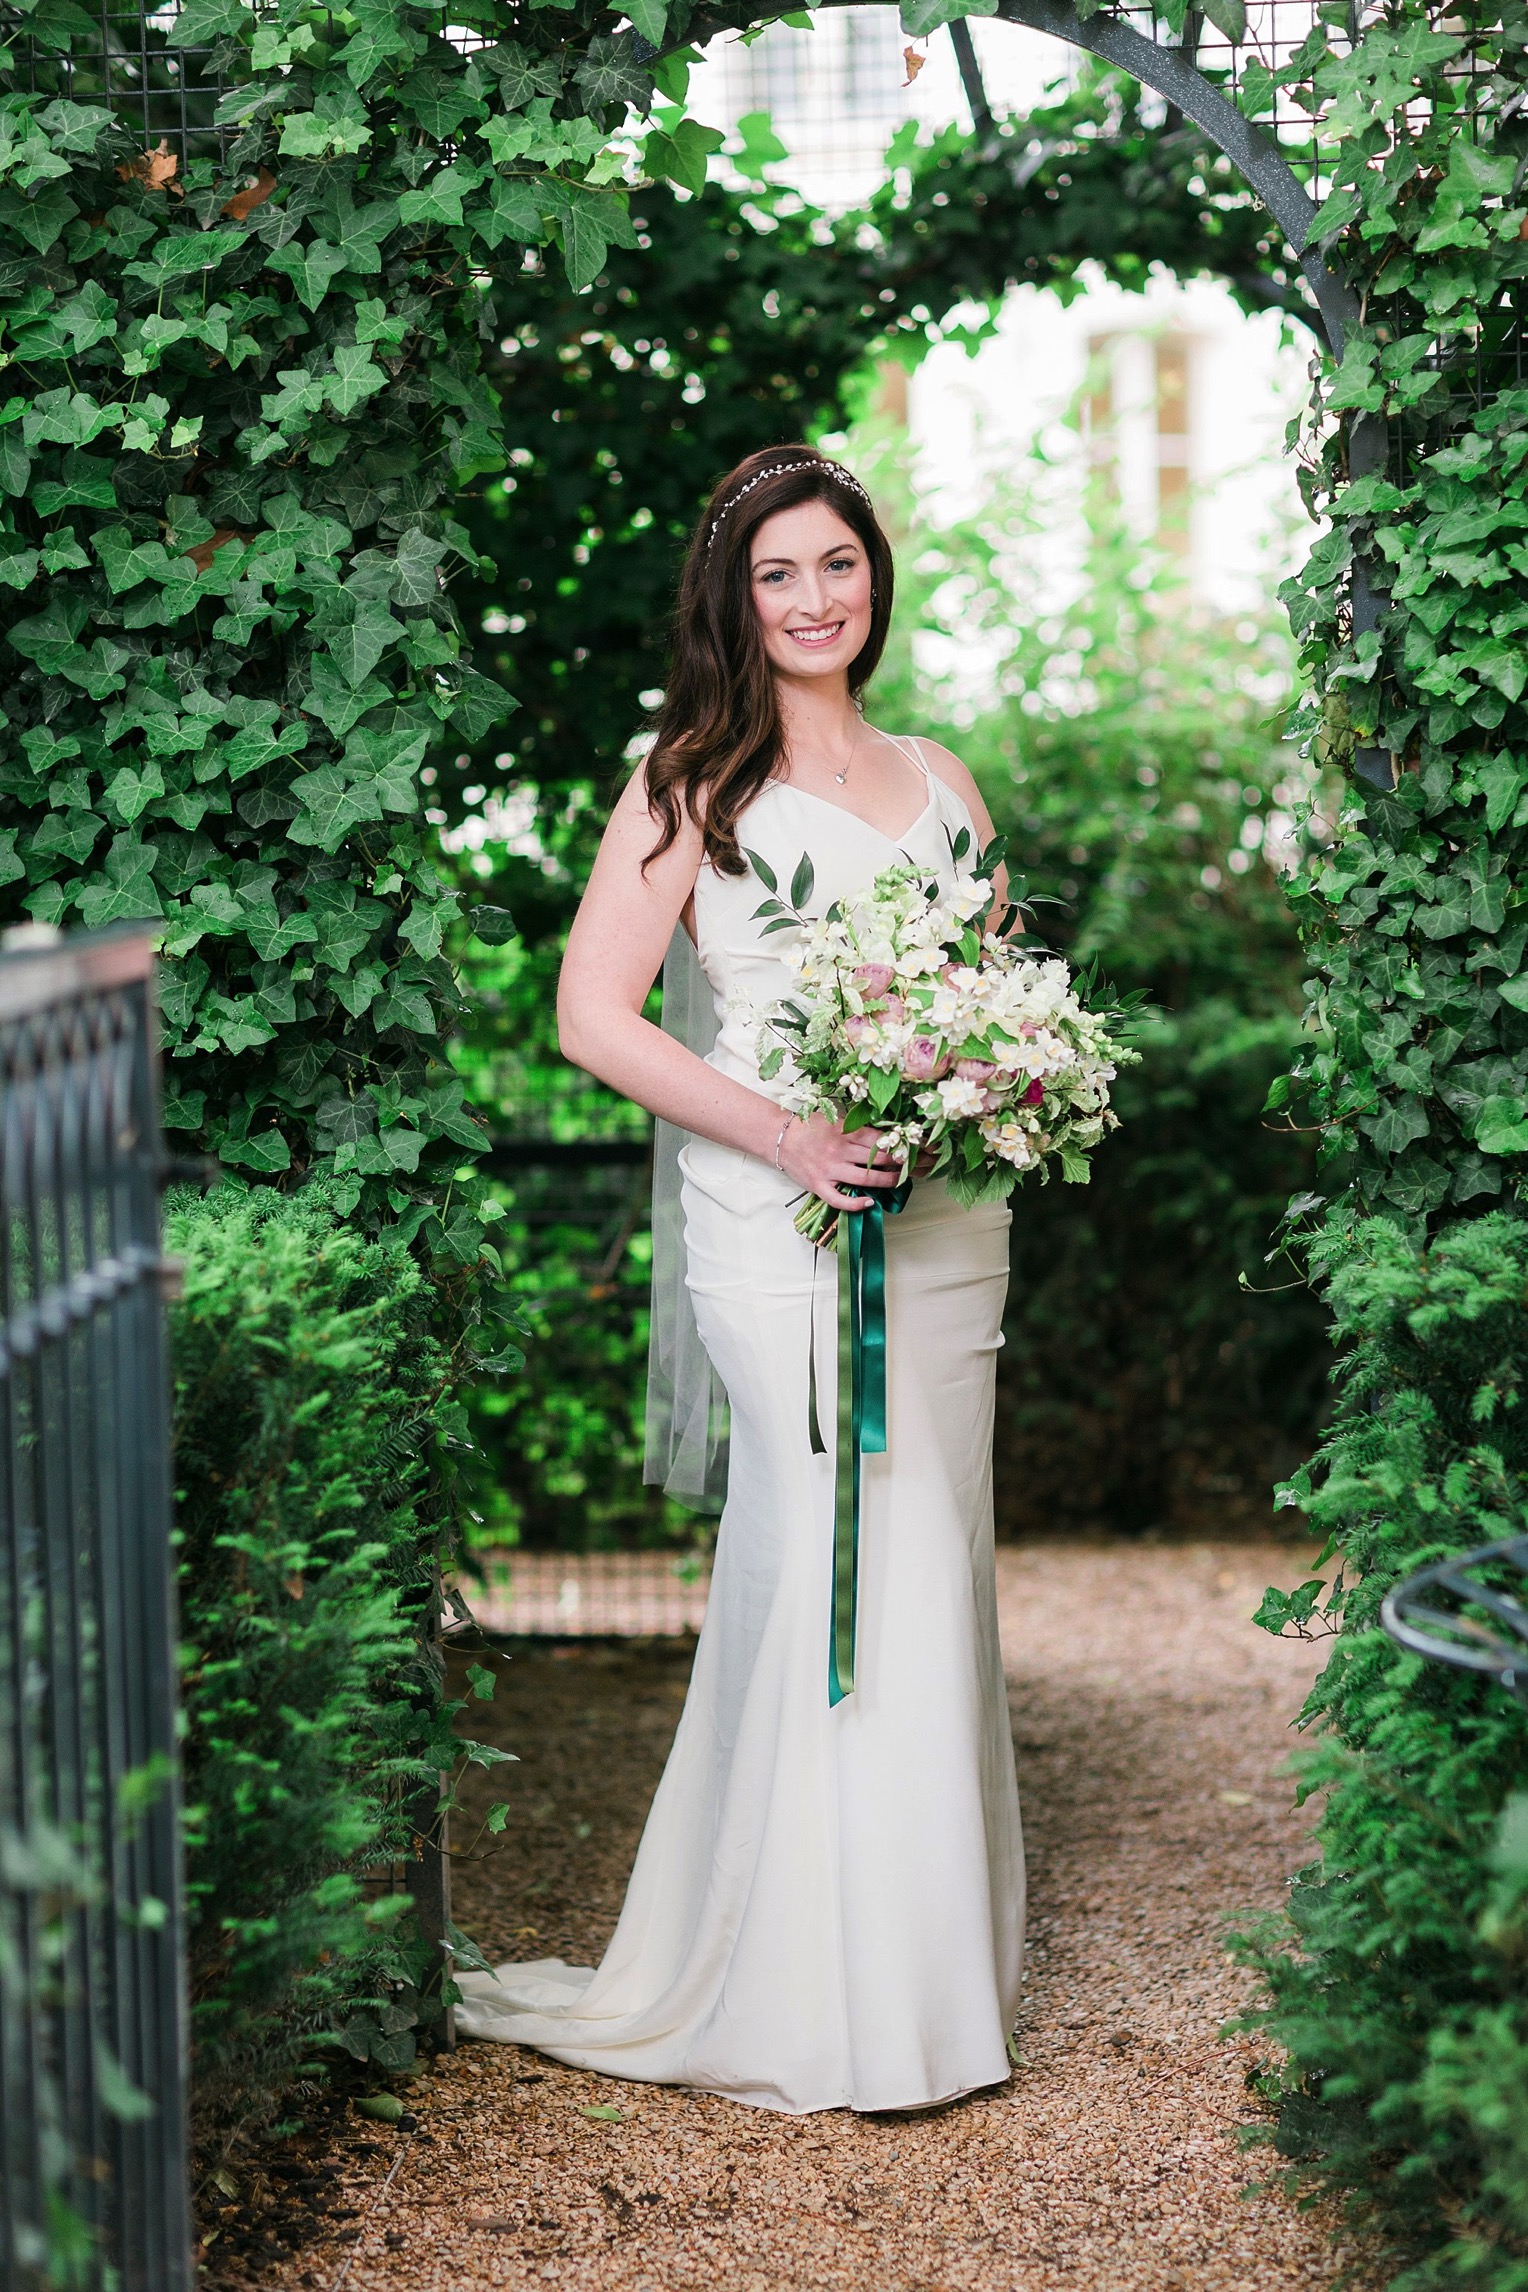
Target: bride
x,y
827,1906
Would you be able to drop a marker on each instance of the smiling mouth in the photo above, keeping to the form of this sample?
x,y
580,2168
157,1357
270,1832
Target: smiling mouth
x,y
823,633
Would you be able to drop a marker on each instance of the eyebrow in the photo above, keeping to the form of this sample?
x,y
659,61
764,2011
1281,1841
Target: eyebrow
x,y
842,549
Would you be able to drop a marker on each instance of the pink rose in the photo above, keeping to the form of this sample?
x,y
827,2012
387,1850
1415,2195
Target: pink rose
x,y
1035,1095
893,1010
975,1069
923,1061
858,1030
873,978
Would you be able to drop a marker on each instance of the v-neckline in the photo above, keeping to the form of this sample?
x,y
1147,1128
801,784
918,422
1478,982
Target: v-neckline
x,y
789,788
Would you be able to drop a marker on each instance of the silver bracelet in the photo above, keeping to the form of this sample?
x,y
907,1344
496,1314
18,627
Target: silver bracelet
x,y
780,1141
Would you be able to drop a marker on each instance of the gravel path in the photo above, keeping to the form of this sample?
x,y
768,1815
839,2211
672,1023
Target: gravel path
x,y
1151,1720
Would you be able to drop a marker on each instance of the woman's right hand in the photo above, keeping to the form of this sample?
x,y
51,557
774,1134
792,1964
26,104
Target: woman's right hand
x,y
817,1154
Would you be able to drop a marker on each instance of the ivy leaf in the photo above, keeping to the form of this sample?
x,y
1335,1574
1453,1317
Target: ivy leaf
x,y
439,101
48,638
312,269
74,126
40,220
339,706
391,760
478,704
201,22
333,130
331,807
513,212
267,1151
681,154
379,39
494,926
1228,16
15,463
1503,1126
520,76
355,378
651,20
416,576
355,650
611,73
406,1006
441,199
182,253
18,567
126,889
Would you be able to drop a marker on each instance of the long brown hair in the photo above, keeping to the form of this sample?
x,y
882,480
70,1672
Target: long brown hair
x,y
718,730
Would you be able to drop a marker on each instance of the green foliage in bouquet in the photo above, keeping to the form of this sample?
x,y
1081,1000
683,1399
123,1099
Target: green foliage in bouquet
x,y
1393,1991
310,1404
918,1009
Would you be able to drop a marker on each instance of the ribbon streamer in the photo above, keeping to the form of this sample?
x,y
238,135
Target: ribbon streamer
x,y
861,1426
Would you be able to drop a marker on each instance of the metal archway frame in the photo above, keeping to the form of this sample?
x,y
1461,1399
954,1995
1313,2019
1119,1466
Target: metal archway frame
x,y
1174,75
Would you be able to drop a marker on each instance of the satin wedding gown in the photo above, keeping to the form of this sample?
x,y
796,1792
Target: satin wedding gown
x,y
827,1906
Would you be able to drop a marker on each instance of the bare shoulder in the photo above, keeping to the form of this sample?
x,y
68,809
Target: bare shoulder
x,y
634,809
955,776
949,768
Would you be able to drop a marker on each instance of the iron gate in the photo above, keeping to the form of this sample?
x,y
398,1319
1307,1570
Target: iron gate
x,y
92,2010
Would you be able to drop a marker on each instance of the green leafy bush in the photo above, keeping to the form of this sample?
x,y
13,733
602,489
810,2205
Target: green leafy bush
x,y
1394,1988
310,1399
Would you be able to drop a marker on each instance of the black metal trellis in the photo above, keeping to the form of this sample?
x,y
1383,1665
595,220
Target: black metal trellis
x,y
92,2009
1493,1639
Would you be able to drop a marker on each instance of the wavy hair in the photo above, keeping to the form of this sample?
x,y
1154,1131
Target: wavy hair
x,y
718,731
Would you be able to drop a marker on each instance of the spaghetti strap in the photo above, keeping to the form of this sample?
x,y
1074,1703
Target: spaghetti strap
x,y
906,745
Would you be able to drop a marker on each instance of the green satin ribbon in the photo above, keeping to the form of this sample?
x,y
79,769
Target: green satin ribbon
x,y
861,1429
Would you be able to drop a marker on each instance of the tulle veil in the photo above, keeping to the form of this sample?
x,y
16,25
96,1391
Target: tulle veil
x,y
687,1420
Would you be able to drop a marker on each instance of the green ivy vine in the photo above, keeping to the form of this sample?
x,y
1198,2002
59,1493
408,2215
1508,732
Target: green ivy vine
x,y
1418,916
244,394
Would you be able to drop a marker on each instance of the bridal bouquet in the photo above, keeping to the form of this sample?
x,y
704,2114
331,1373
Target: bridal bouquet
x,y
916,1012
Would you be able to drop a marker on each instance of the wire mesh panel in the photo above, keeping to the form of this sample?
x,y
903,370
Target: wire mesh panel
x,y
92,2013
130,61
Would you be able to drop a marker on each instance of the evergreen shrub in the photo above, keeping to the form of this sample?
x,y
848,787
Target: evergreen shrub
x,y
310,1397
1394,1987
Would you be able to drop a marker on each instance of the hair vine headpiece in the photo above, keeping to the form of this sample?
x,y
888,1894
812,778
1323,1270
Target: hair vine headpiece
x,y
783,469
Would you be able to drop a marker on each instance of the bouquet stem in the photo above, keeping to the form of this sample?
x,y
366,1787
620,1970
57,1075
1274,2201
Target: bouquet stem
x,y
818,1221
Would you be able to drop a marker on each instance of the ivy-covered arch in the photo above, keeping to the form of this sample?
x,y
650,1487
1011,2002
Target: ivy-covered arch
x,y
248,265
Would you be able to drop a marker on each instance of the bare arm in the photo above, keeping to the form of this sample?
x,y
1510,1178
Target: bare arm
x,y
615,950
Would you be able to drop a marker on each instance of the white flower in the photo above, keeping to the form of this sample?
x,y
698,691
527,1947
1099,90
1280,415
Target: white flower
x,y
1008,1141
959,1099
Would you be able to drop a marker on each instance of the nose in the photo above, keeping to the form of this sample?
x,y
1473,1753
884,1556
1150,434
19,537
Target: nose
x,y
813,597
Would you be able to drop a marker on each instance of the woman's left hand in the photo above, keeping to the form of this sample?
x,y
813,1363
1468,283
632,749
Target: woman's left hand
x,y
924,1165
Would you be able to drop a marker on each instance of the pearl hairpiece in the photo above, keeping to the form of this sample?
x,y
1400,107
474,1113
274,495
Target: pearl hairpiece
x,y
782,469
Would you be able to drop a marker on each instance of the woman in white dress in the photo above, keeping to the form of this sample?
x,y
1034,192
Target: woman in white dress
x,y
827,1906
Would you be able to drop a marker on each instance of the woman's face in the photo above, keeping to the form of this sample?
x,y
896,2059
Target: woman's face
x,y
811,590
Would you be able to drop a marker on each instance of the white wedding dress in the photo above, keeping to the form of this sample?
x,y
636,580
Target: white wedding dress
x,y
827,1907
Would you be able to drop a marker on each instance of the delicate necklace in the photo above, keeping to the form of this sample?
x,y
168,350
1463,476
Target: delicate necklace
x,y
842,776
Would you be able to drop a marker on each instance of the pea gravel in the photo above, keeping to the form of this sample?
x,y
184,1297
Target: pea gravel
x,y
1151,1720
